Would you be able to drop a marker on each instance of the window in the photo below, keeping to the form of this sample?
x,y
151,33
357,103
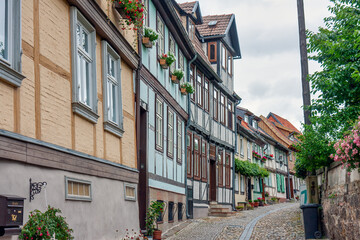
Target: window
x,y
216,104
206,95
76,189
229,63
254,124
196,157
179,140
146,12
204,160
160,42
180,211
220,169
199,92
171,212
10,42
83,66
189,155
241,146
181,61
248,151
170,133
223,57
159,124
191,30
290,156
246,118
192,80
237,182
227,170
113,120
212,52
256,185
172,50
161,215
222,109
242,184
130,191
230,115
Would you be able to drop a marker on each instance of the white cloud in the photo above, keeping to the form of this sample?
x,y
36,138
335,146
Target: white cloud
x,y
268,77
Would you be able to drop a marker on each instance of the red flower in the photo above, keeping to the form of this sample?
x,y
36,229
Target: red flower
x,y
41,234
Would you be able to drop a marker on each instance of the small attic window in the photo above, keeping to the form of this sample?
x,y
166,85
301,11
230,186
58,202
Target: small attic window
x,y
212,23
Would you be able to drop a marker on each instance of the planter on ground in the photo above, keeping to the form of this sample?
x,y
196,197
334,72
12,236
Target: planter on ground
x,y
157,235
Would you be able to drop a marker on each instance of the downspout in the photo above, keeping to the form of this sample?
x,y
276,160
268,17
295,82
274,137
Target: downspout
x,y
288,173
186,129
233,162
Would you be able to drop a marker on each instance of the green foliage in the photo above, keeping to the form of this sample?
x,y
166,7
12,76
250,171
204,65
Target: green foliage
x,y
336,47
153,212
178,73
170,58
249,169
151,34
46,225
189,88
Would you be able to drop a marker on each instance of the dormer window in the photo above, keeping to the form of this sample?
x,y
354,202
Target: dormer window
x,y
191,30
246,119
223,57
212,51
229,63
254,124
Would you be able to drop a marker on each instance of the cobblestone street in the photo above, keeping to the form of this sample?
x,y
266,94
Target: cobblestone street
x,y
280,221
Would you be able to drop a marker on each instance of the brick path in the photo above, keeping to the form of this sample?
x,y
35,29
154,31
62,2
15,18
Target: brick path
x,y
280,221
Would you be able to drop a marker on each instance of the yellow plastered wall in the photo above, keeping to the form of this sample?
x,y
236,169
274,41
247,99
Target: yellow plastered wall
x,y
41,107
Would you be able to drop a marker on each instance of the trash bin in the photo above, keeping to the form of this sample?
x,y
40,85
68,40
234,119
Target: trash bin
x,y
311,221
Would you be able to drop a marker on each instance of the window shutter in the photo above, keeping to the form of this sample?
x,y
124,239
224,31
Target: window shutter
x,y
282,184
278,182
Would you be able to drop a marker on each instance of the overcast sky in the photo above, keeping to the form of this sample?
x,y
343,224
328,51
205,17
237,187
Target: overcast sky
x,y
268,77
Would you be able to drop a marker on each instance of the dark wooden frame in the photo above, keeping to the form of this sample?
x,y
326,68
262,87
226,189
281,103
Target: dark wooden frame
x,y
229,66
206,95
157,147
216,104
189,157
171,38
157,30
223,111
180,53
222,57
212,60
204,161
230,115
201,104
227,170
169,110
221,169
179,160
197,155
192,81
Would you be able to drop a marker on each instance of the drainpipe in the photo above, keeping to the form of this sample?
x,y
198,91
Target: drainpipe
x,y
288,173
233,162
186,128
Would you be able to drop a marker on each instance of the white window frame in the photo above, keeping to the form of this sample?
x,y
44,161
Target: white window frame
x,y
170,133
237,182
10,68
130,198
87,110
242,184
75,197
248,151
160,28
241,146
116,127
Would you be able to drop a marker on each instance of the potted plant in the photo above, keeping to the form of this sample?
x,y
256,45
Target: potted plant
x,y
249,207
153,212
177,75
261,201
132,12
263,159
47,225
166,60
240,208
186,88
256,203
150,37
251,203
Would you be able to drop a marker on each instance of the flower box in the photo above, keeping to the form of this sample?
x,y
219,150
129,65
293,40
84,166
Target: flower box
x,y
163,63
120,9
174,79
183,91
146,42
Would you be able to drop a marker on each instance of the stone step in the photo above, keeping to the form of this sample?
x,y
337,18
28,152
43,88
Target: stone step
x,y
212,209
221,214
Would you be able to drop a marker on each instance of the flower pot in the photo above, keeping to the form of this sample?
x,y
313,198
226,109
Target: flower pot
x,y
157,235
163,63
256,204
174,79
120,9
147,43
252,204
183,91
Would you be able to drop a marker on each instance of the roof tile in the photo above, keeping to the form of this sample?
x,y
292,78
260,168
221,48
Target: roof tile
x,y
218,29
187,6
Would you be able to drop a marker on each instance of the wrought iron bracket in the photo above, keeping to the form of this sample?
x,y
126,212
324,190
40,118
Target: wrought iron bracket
x,y
35,188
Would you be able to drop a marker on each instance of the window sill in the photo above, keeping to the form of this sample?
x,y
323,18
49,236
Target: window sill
x,y
114,129
10,76
74,198
85,112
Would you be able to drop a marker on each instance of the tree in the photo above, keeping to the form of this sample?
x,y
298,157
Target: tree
x,y
337,48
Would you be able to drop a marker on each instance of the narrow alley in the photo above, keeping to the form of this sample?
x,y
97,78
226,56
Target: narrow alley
x,y
279,221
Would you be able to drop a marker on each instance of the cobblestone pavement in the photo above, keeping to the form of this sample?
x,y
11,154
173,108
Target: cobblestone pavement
x,y
217,228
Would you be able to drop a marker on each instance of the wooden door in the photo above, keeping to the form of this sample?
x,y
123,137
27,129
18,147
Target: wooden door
x,y
212,180
291,188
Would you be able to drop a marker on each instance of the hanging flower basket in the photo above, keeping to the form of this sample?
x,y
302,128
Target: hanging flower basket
x,y
186,88
174,79
183,91
177,75
147,43
163,64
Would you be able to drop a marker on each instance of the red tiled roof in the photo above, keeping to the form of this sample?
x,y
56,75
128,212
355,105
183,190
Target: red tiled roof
x,y
200,50
220,27
285,123
187,7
